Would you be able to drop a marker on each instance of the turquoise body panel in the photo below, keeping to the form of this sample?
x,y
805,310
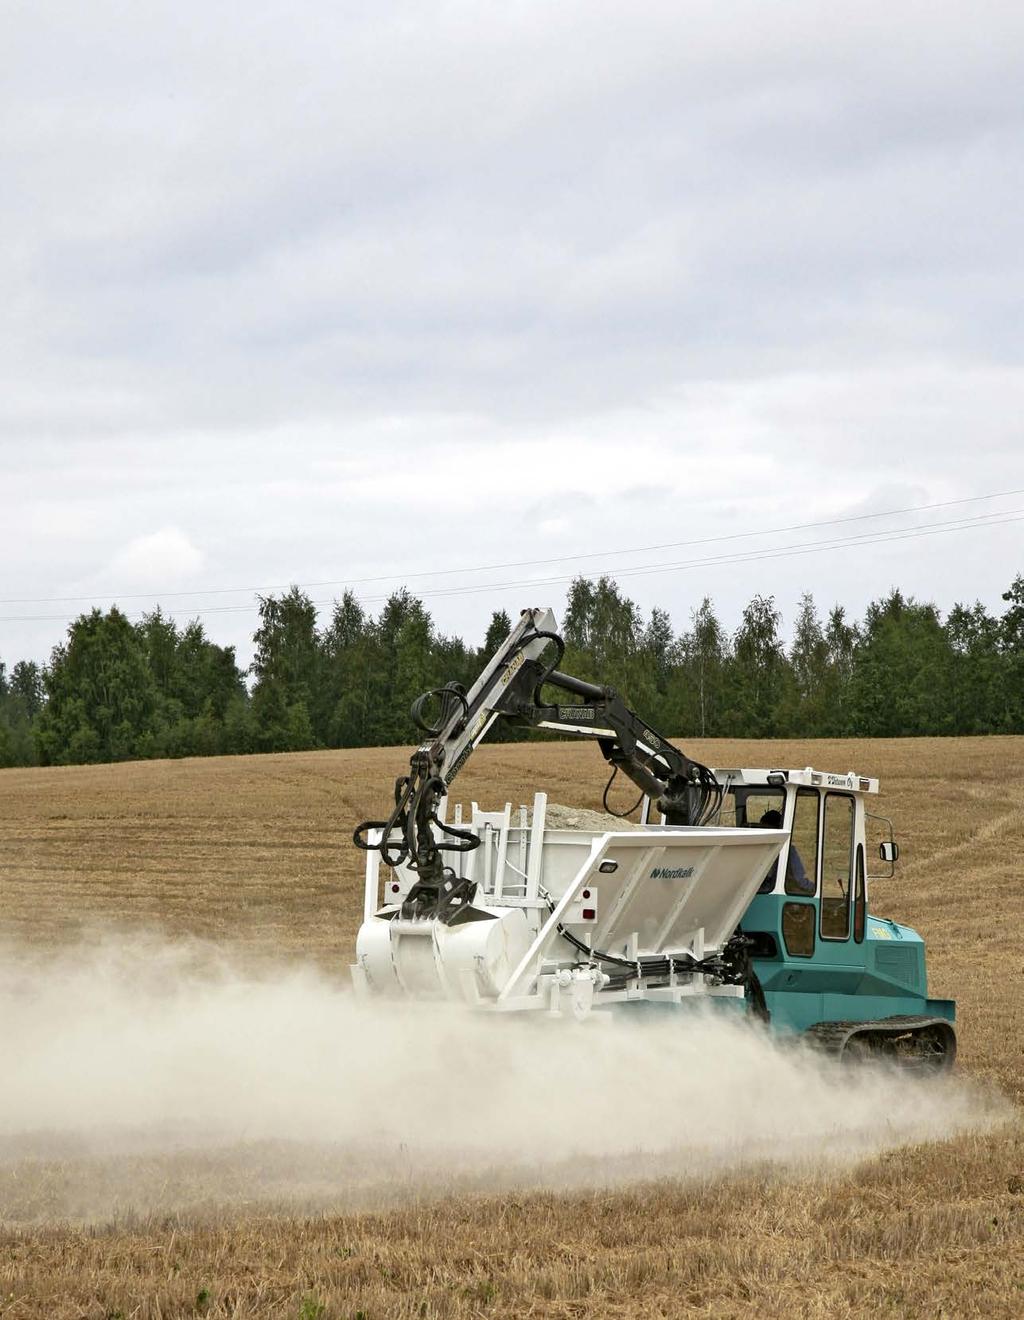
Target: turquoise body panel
x,y
840,980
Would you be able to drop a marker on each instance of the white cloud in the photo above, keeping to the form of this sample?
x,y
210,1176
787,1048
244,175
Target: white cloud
x,y
166,557
393,287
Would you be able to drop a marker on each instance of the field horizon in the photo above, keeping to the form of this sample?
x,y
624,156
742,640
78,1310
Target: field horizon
x,y
252,856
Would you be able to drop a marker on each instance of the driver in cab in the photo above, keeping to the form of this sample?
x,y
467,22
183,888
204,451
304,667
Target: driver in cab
x,y
797,879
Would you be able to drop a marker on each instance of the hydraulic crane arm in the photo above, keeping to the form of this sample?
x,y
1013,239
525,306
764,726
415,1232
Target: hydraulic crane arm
x,y
511,685
685,791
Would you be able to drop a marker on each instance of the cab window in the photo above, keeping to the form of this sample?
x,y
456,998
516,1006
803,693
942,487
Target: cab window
x,y
836,858
802,866
746,804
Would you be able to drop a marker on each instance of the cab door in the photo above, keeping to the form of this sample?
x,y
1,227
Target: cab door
x,y
823,957
839,954
800,884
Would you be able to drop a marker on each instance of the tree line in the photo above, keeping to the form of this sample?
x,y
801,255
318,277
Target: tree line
x,y
115,690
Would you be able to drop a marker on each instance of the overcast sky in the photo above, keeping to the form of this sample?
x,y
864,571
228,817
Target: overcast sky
x,y
341,292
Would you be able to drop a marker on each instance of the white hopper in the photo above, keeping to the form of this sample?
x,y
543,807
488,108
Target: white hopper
x,y
634,894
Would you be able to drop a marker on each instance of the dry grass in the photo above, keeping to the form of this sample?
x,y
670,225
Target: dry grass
x,y
254,851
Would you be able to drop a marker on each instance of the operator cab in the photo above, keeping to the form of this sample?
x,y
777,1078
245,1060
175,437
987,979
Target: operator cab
x,y
816,892
818,887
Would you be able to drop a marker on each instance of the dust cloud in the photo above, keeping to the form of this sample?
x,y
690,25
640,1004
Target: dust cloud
x,y
148,1076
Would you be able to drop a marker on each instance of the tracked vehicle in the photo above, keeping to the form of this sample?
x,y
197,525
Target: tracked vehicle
x,y
740,890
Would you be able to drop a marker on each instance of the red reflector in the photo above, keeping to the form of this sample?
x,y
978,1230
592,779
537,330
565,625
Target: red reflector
x,y
589,914
395,888
586,893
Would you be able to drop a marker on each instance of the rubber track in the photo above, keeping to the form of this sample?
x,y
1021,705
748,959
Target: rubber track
x,y
833,1037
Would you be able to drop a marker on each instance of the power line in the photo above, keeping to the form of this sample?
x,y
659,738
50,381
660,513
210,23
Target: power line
x,y
489,568
861,540
745,557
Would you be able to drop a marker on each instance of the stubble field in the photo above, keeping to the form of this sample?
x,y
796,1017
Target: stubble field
x,y
252,856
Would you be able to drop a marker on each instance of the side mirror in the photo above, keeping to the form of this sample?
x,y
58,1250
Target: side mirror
x,y
888,849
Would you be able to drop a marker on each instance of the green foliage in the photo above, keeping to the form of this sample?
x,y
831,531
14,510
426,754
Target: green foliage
x,y
607,642
497,630
756,672
902,671
348,660
840,640
699,686
1011,649
115,690
197,682
288,666
21,698
978,670
102,697
26,688
604,638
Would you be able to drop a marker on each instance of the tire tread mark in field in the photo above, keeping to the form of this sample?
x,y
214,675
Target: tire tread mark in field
x,y
990,831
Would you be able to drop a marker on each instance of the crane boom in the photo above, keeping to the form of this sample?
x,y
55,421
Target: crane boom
x,y
512,686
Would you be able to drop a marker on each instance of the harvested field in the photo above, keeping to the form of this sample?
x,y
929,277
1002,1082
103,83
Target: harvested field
x,y
252,855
